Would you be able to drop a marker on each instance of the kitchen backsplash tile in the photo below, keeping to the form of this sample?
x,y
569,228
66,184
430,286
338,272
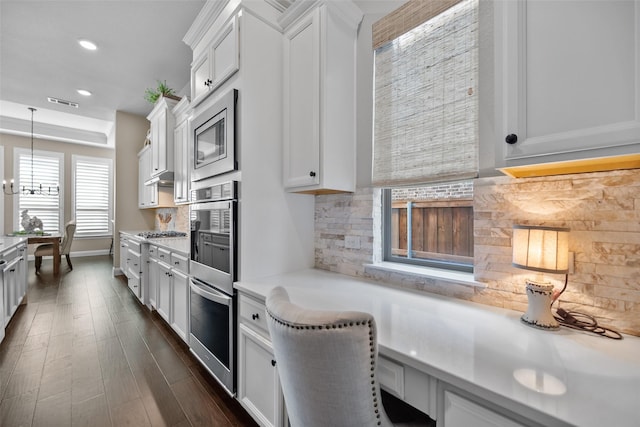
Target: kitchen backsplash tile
x,y
177,218
602,210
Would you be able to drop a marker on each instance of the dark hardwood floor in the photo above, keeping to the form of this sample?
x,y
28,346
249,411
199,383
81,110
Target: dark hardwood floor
x,y
84,352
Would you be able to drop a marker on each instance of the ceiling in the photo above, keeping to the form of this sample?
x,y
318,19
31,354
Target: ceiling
x,y
139,42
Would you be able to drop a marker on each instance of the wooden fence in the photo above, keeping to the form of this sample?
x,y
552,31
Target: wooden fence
x,y
441,230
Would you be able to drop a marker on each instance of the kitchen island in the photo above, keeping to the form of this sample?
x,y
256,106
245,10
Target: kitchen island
x,y
464,363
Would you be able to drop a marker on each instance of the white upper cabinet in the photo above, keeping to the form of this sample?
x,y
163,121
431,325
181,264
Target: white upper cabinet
x,y
567,80
219,61
319,96
162,125
181,181
147,194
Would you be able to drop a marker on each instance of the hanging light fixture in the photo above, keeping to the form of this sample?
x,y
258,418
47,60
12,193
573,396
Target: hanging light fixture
x,y
33,190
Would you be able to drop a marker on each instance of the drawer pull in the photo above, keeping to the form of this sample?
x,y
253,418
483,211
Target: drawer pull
x,y
255,316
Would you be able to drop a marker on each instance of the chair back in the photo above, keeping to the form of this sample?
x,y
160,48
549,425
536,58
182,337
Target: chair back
x,y
326,361
67,239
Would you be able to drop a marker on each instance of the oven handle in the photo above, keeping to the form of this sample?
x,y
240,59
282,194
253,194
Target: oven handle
x,y
217,245
210,294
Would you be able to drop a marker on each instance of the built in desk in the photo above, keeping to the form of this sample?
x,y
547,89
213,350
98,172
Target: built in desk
x,y
479,358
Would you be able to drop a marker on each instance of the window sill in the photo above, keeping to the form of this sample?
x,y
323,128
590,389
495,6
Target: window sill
x,y
457,277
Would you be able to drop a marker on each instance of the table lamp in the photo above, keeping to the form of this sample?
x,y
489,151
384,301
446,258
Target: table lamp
x,y
546,250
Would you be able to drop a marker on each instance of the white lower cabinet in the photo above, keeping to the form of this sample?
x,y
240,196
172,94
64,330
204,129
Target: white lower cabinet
x,y
152,278
180,288
168,288
259,389
462,412
164,292
13,284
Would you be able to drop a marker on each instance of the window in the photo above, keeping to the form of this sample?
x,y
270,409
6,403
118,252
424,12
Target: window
x,y
425,131
48,170
430,225
92,200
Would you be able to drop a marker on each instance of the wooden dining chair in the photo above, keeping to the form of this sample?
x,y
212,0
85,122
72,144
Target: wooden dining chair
x,y
65,246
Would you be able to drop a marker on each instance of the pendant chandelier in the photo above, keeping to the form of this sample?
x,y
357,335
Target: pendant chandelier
x,y
33,190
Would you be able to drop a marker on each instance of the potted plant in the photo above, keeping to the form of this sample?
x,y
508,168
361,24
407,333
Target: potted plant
x,y
152,95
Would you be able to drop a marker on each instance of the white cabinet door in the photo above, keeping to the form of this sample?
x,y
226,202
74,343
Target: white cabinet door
x,y
221,61
200,78
180,286
124,254
258,384
164,292
147,194
23,269
567,80
159,142
154,274
11,284
181,163
461,412
319,99
224,56
162,125
302,102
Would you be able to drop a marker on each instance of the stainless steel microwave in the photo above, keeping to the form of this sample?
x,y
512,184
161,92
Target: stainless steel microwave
x,y
213,146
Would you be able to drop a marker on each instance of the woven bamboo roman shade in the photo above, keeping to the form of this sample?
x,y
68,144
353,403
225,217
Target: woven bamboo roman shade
x,y
426,103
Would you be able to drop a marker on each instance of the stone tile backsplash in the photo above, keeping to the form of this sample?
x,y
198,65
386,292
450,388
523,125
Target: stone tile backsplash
x,y
602,210
172,219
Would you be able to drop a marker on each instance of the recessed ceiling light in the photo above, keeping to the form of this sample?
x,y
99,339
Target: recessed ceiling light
x,y
84,92
87,44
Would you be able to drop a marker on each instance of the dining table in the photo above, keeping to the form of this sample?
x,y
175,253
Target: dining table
x,y
54,240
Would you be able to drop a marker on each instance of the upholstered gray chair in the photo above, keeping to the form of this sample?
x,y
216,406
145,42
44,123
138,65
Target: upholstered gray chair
x,y
327,364
65,246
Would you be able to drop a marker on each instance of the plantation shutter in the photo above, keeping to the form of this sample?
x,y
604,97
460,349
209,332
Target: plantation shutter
x,y
426,103
92,196
47,169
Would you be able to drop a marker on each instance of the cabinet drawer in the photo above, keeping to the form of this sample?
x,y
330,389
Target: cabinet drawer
x,y
254,314
180,262
134,262
153,251
391,376
164,255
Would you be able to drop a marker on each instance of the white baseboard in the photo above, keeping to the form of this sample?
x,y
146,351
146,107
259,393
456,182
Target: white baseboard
x,y
80,254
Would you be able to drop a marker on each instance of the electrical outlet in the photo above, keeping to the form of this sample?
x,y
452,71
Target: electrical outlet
x,y
352,242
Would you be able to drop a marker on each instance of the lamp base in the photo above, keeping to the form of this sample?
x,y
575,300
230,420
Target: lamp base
x,y
538,313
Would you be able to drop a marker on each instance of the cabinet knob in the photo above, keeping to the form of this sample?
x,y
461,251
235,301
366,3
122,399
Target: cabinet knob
x,y
312,174
273,362
255,316
512,138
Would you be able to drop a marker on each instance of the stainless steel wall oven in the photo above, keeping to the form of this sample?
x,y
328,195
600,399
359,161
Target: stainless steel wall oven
x,y
213,270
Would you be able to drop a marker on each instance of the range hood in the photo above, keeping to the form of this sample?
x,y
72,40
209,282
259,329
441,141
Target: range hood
x,y
165,179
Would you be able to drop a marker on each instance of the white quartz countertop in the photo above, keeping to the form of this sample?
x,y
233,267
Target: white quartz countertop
x,y
10,242
174,244
582,379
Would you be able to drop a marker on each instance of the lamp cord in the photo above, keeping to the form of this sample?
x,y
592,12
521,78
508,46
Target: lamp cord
x,y
581,321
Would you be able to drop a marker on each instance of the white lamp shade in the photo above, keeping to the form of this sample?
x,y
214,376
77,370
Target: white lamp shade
x,y
544,249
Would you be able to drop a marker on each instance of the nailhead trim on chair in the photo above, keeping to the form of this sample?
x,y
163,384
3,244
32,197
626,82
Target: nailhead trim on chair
x,y
372,354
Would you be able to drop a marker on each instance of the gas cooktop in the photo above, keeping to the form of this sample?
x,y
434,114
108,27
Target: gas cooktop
x,y
159,234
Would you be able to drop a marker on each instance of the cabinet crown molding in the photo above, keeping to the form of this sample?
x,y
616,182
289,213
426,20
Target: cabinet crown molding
x,y
209,12
348,11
